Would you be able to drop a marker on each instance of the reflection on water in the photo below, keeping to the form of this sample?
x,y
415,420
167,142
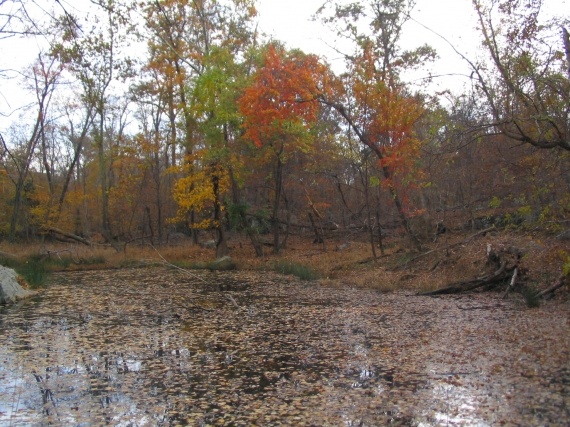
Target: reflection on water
x,y
157,348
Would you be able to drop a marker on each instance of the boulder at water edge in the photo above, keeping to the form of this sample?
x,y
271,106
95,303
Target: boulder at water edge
x,y
10,289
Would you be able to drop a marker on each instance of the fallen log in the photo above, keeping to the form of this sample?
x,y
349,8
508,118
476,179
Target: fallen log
x,y
505,265
469,285
69,236
561,281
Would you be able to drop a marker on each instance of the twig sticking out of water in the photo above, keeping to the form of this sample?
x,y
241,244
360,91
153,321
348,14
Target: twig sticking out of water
x,y
226,296
232,300
179,268
47,394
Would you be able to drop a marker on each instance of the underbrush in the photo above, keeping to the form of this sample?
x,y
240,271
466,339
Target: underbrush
x,y
217,265
292,268
69,261
32,270
530,296
456,257
190,265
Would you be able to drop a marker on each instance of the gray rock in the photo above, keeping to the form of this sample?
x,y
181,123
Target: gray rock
x,y
209,244
10,289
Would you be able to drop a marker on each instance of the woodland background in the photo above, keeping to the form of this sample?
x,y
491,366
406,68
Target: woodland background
x,y
154,119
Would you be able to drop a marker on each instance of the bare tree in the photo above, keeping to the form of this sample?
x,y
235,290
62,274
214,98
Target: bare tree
x,y
45,76
527,86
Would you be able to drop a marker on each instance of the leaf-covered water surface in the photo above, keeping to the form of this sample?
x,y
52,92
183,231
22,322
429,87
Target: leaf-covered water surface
x,y
160,347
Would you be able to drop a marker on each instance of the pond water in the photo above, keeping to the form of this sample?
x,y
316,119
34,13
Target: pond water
x,y
160,347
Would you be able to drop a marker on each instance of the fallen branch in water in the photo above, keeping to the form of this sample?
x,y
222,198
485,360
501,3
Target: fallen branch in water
x,y
226,296
231,299
164,261
49,253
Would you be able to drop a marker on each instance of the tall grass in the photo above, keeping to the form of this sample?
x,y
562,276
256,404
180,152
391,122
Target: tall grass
x,y
34,272
530,296
32,269
301,271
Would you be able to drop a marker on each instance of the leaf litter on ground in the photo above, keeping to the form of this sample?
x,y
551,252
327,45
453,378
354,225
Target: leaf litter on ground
x,y
158,347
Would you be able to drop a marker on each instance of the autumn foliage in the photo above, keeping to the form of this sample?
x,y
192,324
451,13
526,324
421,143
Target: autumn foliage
x,y
388,117
284,95
214,130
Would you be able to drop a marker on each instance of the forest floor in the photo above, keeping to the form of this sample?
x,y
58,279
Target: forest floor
x,y
342,261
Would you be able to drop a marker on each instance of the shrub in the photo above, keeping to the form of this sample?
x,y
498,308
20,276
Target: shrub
x,y
33,271
295,269
531,297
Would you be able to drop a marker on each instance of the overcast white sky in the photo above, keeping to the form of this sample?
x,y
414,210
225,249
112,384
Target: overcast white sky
x,y
290,21
454,19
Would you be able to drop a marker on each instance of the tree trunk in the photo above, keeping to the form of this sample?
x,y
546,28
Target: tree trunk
x,y
24,166
20,184
149,224
366,184
566,40
255,242
105,223
318,236
380,239
16,209
221,242
385,170
70,170
277,204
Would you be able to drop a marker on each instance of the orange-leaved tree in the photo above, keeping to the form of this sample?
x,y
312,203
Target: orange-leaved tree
x,y
371,97
382,115
279,108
